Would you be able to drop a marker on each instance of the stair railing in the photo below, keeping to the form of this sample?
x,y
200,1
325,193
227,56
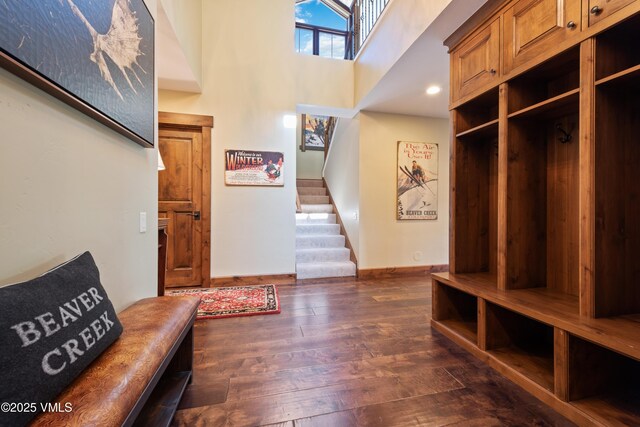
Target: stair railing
x,y
364,16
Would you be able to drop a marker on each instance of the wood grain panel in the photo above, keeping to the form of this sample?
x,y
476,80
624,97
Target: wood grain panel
x,y
419,270
607,7
587,188
252,280
180,195
502,199
474,206
561,363
184,188
476,63
617,202
533,27
526,206
182,254
562,208
175,184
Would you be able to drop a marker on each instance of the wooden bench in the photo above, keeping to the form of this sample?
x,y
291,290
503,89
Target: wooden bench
x,y
140,379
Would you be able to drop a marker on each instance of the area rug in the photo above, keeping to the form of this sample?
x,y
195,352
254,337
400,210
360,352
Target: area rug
x,y
216,303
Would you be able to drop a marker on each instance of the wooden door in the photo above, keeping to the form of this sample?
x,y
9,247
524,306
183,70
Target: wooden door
x,y
600,9
535,27
183,198
477,62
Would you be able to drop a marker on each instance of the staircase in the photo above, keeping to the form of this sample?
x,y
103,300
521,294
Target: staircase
x,y
320,249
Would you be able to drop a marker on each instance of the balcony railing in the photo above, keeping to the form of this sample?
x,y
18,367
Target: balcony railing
x,y
364,15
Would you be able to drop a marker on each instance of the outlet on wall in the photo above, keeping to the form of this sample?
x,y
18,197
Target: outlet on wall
x,y
417,255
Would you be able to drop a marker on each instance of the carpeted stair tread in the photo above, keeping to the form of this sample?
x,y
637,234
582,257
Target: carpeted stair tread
x,y
314,270
312,191
309,183
315,218
319,241
317,229
320,248
322,255
324,208
314,200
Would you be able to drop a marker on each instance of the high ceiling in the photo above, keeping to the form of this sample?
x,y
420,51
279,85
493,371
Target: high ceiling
x,y
401,90
425,63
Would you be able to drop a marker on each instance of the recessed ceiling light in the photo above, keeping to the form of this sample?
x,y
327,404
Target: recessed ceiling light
x,y
433,90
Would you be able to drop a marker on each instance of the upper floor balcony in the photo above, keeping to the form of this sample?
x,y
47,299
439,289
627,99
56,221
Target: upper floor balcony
x,y
335,28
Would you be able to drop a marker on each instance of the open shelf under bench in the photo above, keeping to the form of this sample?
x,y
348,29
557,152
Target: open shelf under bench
x,y
587,369
557,309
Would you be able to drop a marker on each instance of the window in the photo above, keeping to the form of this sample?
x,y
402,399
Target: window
x,y
321,28
304,41
331,45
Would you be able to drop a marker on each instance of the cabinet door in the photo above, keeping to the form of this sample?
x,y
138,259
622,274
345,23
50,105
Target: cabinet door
x,y
600,9
477,62
536,27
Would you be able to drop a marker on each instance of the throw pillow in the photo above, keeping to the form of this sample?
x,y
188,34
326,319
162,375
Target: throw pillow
x,y
51,328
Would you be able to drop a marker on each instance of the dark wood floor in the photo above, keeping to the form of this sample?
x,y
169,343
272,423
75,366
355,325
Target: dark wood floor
x,y
347,353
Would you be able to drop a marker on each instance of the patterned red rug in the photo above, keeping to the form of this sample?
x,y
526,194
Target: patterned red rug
x,y
233,301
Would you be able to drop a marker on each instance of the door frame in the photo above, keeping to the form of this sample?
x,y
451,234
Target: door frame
x,y
203,125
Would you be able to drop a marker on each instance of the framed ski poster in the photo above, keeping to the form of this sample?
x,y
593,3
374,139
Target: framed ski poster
x,y
417,175
248,167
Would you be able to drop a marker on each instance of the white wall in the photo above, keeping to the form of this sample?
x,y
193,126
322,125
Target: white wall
x,y
343,177
180,44
309,163
251,78
69,184
399,27
385,241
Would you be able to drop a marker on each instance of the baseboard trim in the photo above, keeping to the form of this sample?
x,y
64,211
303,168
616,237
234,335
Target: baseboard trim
x,y
421,270
276,279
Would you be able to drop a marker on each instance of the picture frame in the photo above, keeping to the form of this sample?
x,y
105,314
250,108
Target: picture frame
x,y
313,132
417,181
253,168
67,49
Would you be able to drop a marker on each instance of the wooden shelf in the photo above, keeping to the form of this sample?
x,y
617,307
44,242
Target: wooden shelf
x,y
457,310
466,329
616,50
477,112
628,76
563,104
619,409
486,129
610,392
163,402
538,303
619,333
538,367
523,344
544,207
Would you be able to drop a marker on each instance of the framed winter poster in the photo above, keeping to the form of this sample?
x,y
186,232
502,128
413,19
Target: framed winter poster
x,y
261,168
417,176
97,56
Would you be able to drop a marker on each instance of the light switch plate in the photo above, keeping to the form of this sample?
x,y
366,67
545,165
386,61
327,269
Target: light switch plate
x,y
143,222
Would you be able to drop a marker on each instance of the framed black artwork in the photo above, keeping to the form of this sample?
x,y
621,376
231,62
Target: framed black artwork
x,y
97,56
